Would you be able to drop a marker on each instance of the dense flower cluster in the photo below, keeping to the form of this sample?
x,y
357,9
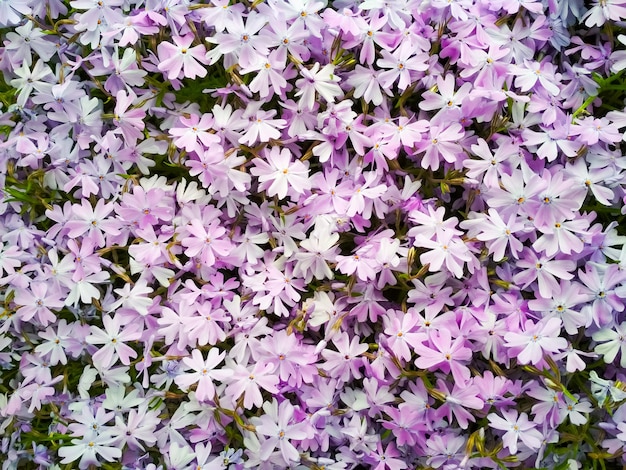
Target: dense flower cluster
x,y
300,234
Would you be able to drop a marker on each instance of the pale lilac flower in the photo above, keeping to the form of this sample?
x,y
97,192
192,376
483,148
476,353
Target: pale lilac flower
x,y
279,428
518,428
317,80
182,57
89,449
113,340
279,175
203,373
611,341
93,221
536,339
445,354
402,66
245,383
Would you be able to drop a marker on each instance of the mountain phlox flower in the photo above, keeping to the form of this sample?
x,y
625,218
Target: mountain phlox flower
x,y
402,332
129,120
279,427
491,165
402,65
89,449
245,383
446,449
463,395
195,136
93,221
544,269
383,458
270,77
498,234
406,423
241,43
203,373
182,57
260,125
447,249
207,327
113,339
562,305
611,341
441,143
37,301
345,362
280,289
320,249
317,80
445,354
279,175
294,360
532,72
603,285
518,428
565,236
208,241
535,340
603,11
